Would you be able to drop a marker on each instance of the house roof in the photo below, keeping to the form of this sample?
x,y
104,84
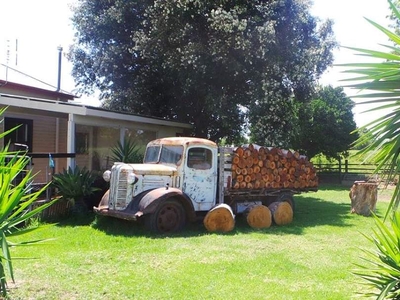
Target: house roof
x,y
12,88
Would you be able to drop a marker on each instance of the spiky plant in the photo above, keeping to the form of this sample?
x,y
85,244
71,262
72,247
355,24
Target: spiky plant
x,y
74,185
127,152
381,82
15,205
381,271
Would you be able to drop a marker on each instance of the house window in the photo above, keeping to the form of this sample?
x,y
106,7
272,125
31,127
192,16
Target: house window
x,y
82,143
23,135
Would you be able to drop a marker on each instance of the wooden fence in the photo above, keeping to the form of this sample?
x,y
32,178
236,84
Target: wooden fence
x,y
344,172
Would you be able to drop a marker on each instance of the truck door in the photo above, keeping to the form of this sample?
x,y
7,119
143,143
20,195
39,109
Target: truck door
x,y
200,177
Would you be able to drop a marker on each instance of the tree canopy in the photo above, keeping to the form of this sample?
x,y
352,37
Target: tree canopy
x,y
327,124
220,65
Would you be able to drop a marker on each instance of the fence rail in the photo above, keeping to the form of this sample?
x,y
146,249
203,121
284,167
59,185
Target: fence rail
x,y
349,172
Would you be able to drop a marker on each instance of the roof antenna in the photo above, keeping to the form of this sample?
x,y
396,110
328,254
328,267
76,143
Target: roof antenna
x,y
7,61
60,49
7,58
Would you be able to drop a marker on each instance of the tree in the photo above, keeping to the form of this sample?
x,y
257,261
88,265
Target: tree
x,y
215,64
327,124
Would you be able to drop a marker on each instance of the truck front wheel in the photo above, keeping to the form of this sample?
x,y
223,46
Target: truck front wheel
x,y
168,217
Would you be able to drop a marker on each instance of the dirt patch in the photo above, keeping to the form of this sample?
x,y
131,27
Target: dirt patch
x,y
385,192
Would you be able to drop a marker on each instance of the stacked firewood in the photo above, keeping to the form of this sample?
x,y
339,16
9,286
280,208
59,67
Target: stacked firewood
x,y
257,167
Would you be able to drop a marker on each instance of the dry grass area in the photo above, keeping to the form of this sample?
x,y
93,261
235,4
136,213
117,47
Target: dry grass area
x,y
385,192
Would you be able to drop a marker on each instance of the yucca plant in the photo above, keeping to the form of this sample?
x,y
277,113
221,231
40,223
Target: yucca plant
x,y
380,82
127,152
74,185
15,204
381,271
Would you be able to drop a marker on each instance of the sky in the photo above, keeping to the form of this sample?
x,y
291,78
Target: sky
x,y
32,31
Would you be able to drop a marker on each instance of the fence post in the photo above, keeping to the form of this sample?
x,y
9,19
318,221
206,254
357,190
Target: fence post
x,y
340,170
346,166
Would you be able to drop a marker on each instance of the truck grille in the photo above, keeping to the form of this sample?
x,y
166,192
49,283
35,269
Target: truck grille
x,y
120,191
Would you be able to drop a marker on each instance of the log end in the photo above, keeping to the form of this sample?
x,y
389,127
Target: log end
x,y
259,217
282,212
219,219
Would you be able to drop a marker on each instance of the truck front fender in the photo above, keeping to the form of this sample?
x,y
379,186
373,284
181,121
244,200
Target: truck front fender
x,y
153,198
104,200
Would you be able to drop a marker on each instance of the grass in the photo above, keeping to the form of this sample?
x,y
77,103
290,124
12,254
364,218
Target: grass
x,y
104,258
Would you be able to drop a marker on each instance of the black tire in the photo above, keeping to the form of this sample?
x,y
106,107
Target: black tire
x,y
286,197
169,217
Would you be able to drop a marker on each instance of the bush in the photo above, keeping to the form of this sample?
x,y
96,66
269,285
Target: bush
x,y
74,185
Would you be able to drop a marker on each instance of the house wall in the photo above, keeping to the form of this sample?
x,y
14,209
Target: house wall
x,y
44,140
50,136
52,115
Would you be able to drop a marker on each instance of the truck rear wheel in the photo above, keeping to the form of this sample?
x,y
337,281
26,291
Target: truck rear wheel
x,y
168,217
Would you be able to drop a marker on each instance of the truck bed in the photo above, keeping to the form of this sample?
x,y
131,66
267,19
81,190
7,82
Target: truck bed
x,y
253,171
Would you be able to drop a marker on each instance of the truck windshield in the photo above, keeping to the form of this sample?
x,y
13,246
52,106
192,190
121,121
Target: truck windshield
x,y
166,154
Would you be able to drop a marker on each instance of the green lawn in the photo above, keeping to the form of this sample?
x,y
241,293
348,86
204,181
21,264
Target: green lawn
x,y
311,258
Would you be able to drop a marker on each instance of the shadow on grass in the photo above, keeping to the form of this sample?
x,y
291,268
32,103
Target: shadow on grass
x,y
309,212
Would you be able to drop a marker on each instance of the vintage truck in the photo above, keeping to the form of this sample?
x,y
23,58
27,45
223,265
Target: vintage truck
x,y
182,178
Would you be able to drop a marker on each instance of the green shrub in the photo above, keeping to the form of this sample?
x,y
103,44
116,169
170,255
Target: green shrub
x,y
74,185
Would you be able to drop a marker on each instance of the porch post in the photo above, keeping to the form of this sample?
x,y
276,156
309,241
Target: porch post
x,y
71,141
122,135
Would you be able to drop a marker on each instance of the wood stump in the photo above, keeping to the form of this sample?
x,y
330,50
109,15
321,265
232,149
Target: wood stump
x,y
258,216
363,197
220,219
282,212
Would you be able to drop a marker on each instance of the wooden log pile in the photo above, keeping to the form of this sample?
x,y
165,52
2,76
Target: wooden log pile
x,y
257,167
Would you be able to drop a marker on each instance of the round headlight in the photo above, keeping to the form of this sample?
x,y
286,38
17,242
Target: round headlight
x,y
107,176
132,179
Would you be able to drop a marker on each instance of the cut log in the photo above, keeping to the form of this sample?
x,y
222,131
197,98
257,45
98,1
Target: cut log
x,y
239,151
258,216
282,212
363,197
220,219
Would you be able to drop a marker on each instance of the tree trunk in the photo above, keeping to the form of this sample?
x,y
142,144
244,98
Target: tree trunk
x,y
363,197
220,218
258,216
282,212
